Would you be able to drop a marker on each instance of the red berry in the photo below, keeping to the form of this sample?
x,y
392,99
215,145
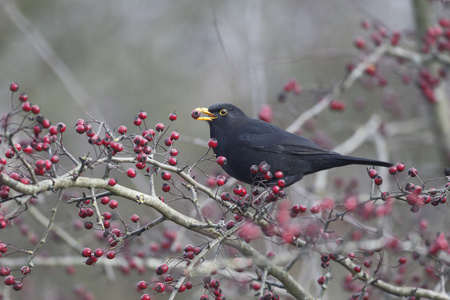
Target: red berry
x,y
159,287
367,263
195,114
134,218
165,187
378,180
26,106
104,200
321,280
17,286
23,97
46,123
122,129
412,172
142,115
172,161
400,167
166,175
360,43
393,170
35,109
112,182
357,269
221,160
173,116
161,269
137,121
402,260
159,127
146,297
86,252
142,285
221,180
113,204
131,173
54,159
372,173
168,141
315,209
212,143
175,135
173,152
98,252
14,87
337,105
205,297
111,254
9,280
279,174
4,271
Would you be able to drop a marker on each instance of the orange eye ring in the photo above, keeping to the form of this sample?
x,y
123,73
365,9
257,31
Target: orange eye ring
x,y
223,112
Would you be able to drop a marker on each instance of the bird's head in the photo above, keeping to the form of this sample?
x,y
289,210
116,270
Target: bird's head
x,y
221,114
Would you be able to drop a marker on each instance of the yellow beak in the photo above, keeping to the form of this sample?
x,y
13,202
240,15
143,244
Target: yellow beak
x,y
204,110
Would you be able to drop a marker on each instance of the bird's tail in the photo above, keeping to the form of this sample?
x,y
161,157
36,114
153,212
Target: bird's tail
x,y
350,160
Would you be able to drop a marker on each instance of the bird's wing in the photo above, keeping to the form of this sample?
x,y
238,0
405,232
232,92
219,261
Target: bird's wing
x,y
282,142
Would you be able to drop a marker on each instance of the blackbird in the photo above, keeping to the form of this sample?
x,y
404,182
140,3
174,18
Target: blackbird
x,y
245,141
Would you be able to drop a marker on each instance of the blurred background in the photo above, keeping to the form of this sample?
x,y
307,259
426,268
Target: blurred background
x,y
113,58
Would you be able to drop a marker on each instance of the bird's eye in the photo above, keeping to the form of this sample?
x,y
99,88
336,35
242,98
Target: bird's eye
x,y
223,112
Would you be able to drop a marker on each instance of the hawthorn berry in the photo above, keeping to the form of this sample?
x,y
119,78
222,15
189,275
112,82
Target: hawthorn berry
x,y
104,200
372,173
137,121
142,285
175,135
9,280
166,175
195,114
400,166
142,115
23,97
17,286
321,280
173,152
4,271
161,269
35,109
393,170
26,106
134,218
98,252
168,141
172,116
14,87
110,255
159,127
212,143
165,187
160,287
378,180
412,172
402,260
221,180
221,160
122,129
146,297
113,204
337,105
86,252
131,173
112,182
172,161
357,269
